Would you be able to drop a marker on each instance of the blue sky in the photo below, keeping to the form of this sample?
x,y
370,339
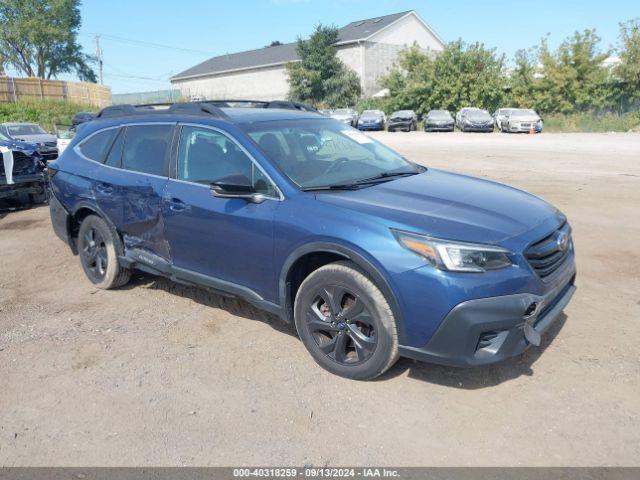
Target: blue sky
x,y
204,28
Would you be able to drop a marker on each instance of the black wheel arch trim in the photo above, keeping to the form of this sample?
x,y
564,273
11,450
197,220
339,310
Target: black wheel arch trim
x,y
83,204
284,287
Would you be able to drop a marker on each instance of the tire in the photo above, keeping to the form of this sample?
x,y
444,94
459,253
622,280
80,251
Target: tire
x,y
345,322
98,247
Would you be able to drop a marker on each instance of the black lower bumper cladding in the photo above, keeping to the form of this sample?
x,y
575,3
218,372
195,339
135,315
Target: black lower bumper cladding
x,y
489,330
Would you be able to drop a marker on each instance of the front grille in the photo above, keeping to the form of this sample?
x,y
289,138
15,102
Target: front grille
x,y
48,155
547,255
22,165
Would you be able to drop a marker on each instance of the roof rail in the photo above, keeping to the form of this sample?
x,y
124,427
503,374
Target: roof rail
x,y
181,108
284,104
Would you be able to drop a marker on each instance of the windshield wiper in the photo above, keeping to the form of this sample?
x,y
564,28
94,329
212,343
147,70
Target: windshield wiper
x,y
346,186
384,176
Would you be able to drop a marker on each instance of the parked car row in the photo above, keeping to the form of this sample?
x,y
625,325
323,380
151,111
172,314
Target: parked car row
x,y
468,119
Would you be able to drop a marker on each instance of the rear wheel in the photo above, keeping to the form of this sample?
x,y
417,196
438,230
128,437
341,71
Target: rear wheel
x,y
345,322
98,247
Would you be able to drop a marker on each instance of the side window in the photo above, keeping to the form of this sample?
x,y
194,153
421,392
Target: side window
x,y
95,147
207,156
115,154
145,148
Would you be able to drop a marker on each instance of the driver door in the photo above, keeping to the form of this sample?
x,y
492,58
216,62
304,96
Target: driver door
x,y
228,239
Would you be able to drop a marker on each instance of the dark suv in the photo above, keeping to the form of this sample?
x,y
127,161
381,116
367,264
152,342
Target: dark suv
x,y
370,255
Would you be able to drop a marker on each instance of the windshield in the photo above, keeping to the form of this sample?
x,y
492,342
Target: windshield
x,y
325,153
342,111
372,113
27,129
476,113
442,114
3,137
402,113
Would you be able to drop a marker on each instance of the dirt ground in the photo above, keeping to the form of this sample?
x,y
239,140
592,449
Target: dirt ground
x,y
159,374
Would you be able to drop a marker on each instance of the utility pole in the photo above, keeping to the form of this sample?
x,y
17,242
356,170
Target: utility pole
x,y
99,57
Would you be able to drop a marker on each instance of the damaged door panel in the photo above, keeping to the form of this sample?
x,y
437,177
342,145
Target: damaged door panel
x,y
144,162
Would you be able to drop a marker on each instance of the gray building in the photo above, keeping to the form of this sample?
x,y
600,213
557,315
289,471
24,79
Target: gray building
x,y
369,47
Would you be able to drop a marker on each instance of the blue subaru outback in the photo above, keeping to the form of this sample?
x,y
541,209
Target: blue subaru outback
x,y
371,256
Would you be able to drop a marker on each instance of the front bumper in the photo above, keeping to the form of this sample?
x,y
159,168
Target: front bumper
x,y
371,126
404,124
525,127
438,127
29,184
468,127
489,330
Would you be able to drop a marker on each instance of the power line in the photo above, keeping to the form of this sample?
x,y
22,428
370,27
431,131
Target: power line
x,y
150,44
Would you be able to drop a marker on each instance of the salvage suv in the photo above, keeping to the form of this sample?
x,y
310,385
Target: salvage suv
x,y
371,256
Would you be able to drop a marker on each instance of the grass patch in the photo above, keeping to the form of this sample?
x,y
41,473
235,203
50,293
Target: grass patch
x,y
49,114
590,122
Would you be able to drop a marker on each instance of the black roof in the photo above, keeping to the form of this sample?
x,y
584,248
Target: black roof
x,y
358,30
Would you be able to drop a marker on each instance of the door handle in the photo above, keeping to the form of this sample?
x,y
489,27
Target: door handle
x,y
177,205
104,188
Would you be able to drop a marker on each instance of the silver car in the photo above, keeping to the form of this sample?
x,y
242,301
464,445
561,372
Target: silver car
x,y
522,120
499,115
346,115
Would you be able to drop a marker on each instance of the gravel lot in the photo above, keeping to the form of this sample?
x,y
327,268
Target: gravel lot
x,y
159,374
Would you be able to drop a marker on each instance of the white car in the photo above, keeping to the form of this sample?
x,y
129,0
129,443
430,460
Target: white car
x,y
499,115
521,120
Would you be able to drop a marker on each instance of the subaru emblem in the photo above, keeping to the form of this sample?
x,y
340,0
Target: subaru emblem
x,y
563,241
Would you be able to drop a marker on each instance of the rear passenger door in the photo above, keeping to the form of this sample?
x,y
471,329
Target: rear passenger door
x,y
142,154
226,239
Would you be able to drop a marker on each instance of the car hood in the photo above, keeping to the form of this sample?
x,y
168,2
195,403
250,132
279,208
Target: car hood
x,y
38,138
448,206
479,118
18,145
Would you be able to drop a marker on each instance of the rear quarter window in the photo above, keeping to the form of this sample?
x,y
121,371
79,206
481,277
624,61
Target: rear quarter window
x,y
95,147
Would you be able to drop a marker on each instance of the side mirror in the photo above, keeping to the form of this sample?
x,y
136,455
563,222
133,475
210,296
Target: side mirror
x,y
236,186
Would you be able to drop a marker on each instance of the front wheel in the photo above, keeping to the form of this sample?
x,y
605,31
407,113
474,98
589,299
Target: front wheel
x,y
345,322
97,246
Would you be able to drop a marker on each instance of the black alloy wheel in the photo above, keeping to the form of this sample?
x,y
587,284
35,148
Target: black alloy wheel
x,y
94,255
345,321
341,325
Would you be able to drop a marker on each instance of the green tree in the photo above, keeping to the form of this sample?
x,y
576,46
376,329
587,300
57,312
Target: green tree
x,y
320,77
522,81
628,71
573,77
458,76
39,38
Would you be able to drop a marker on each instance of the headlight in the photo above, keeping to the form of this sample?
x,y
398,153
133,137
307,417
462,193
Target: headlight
x,y
455,256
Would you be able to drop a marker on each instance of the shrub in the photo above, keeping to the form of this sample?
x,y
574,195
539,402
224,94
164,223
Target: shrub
x,y
591,122
49,114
